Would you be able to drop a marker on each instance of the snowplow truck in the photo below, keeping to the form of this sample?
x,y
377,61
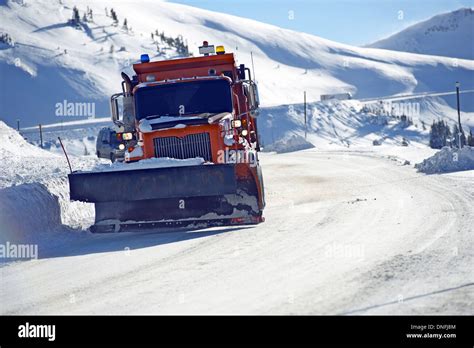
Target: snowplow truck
x,y
197,113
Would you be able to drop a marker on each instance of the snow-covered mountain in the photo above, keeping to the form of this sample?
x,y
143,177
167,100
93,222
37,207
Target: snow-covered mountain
x,y
449,34
50,61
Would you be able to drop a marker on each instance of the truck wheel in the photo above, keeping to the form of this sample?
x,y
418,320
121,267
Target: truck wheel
x,y
112,157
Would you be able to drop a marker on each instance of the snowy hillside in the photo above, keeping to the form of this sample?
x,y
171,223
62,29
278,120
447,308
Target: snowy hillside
x,y
449,34
51,61
353,123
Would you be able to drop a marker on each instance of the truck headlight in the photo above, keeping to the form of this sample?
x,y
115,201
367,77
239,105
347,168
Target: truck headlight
x,y
121,146
127,136
236,123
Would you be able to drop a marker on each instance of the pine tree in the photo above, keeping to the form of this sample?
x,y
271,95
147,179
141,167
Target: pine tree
x,y
113,14
445,133
455,133
440,135
435,136
470,138
76,18
125,26
7,39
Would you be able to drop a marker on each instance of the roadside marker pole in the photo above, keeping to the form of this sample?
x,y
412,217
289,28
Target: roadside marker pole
x,y
305,125
65,154
459,115
41,135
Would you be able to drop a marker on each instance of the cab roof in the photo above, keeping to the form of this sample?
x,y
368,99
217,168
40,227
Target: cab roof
x,y
185,67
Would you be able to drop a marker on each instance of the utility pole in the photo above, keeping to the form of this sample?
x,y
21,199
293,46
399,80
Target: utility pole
x,y
459,115
305,126
41,135
270,117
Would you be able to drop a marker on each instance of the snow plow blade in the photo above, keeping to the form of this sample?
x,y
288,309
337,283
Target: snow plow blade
x,y
153,183
167,198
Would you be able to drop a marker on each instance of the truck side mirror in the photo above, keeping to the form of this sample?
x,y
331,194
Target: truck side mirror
x,y
122,110
253,99
114,107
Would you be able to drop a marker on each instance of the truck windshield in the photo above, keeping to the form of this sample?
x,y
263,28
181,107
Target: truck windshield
x,y
184,98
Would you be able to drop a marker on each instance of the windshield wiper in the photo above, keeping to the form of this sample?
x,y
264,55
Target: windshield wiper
x,y
191,114
206,114
152,117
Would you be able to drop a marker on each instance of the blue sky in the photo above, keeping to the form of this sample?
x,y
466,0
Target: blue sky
x,y
355,22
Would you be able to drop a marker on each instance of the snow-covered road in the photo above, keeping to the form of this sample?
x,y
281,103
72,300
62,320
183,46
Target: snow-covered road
x,y
345,232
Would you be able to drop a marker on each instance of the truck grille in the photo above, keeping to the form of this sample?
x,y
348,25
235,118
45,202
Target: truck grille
x,y
190,146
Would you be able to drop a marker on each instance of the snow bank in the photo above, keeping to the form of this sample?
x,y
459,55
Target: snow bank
x,y
13,144
448,160
293,143
34,190
149,163
27,211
